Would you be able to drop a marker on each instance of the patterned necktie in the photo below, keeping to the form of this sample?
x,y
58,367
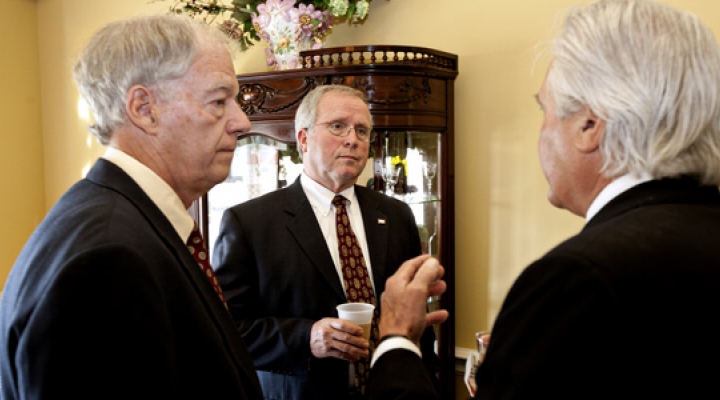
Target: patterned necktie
x,y
196,245
358,287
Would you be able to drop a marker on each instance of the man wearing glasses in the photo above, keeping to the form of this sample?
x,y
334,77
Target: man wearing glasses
x,y
278,261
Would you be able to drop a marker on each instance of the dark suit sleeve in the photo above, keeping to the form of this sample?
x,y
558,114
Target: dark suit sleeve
x,y
275,342
400,374
85,320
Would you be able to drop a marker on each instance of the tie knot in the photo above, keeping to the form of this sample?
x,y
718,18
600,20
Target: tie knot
x,y
339,201
195,237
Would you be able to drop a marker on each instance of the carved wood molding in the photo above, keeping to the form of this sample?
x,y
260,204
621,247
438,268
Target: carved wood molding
x,y
253,96
410,88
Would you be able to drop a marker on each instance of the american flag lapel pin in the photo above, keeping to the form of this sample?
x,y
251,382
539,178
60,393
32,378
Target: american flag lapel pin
x,y
381,221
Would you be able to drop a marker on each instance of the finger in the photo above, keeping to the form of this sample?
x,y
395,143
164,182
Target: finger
x,y
349,350
429,272
409,268
437,288
436,317
349,333
346,326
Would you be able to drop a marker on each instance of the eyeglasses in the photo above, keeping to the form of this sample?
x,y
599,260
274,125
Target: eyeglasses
x,y
342,129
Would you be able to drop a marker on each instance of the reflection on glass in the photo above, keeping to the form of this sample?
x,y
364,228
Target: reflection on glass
x,y
260,165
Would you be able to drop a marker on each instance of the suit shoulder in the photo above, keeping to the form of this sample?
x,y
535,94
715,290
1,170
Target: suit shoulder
x,y
268,199
384,202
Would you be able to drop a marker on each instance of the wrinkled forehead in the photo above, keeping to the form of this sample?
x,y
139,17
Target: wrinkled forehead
x,y
345,107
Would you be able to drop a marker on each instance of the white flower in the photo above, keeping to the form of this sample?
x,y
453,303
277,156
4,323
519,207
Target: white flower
x,y
338,8
361,10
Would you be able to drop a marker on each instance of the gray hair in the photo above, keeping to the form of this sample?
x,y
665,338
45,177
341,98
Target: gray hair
x,y
652,72
307,111
146,51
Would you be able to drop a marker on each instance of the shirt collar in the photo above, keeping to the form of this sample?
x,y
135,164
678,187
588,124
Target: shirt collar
x,y
614,189
321,197
156,188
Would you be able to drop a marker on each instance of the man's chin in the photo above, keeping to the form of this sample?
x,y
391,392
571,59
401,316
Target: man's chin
x,y
220,174
349,174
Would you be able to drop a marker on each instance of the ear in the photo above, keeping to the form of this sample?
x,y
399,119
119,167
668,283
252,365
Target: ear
x,y
591,129
302,140
140,108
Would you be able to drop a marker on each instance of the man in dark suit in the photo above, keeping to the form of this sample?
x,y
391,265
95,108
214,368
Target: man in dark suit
x,y
277,257
105,300
630,141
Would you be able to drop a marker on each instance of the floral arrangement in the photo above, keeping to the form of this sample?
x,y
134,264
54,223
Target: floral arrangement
x,y
245,20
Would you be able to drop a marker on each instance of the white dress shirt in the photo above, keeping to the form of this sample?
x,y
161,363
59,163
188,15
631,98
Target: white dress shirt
x,y
157,189
321,201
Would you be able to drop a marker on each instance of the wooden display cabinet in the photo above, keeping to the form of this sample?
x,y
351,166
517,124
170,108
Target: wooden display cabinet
x,y
410,93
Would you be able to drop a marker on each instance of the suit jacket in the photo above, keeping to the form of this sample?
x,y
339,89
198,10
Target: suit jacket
x,y
626,309
105,301
279,278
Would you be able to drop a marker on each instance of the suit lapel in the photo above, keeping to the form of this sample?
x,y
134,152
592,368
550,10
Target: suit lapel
x,y
306,231
376,234
109,175
113,177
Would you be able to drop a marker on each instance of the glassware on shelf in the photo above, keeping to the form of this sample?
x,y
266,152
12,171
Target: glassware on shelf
x,y
429,169
390,173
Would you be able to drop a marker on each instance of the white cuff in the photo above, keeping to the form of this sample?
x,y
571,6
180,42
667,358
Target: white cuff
x,y
392,344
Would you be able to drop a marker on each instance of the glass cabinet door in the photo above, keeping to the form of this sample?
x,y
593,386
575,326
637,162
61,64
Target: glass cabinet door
x,y
414,157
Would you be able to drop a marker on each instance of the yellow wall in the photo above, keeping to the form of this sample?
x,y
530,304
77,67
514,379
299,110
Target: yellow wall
x,y
504,220
22,184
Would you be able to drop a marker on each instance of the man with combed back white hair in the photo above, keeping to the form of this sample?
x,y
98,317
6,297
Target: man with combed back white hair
x,y
625,309
106,301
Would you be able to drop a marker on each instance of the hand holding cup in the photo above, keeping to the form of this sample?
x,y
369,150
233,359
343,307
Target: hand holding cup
x,y
358,313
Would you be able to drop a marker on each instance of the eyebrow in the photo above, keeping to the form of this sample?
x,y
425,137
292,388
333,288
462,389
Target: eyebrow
x,y
220,87
345,121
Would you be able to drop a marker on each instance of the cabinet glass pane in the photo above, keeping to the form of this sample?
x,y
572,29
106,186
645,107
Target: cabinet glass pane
x,y
412,153
260,165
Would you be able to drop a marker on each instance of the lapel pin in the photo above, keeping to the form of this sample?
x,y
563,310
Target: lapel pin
x,y
381,221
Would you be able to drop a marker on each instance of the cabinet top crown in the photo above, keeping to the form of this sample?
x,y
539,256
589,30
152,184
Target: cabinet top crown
x,y
385,55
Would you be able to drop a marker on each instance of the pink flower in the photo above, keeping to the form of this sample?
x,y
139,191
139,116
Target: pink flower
x,y
269,57
310,19
281,7
261,19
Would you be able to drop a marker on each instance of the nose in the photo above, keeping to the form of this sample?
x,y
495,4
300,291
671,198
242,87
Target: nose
x,y
239,122
352,139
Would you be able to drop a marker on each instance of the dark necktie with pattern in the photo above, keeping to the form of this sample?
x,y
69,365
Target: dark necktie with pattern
x,y
196,245
358,286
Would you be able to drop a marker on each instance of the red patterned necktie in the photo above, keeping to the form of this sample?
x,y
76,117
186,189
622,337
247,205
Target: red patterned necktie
x,y
196,245
358,286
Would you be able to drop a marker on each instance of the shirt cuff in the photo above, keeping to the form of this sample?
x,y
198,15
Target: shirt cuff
x,y
392,344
